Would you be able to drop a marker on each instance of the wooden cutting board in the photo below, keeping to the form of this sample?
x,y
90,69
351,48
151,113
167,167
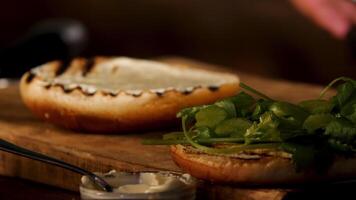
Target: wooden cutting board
x,y
97,152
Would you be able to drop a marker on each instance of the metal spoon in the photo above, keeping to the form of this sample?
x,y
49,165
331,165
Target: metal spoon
x,y
12,148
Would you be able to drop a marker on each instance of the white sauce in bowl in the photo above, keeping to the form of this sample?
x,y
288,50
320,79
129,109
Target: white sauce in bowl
x,y
152,182
160,185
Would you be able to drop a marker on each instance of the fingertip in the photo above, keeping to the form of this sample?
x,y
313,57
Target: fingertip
x,y
340,30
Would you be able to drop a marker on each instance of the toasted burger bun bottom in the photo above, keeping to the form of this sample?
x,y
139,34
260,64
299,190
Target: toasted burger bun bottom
x,y
265,170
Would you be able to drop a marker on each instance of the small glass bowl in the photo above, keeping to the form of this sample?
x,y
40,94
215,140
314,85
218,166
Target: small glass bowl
x,y
185,191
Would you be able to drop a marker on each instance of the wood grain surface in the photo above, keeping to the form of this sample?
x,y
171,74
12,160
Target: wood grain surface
x,y
122,151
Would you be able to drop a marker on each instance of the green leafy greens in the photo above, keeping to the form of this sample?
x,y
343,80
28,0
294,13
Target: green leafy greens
x,y
313,131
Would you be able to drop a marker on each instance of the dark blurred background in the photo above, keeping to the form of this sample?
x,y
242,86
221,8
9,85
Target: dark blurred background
x,y
267,37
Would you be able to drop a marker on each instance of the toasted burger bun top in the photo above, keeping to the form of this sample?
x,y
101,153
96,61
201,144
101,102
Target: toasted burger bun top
x,y
115,94
259,167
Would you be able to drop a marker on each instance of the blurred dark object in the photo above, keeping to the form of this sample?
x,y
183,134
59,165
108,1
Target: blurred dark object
x,y
270,38
343,191
46,41
19,189
351,41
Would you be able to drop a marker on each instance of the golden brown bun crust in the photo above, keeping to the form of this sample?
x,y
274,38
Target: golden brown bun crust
x,y
266,170
108,113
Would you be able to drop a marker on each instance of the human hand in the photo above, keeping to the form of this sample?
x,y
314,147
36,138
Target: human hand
x,y
336,16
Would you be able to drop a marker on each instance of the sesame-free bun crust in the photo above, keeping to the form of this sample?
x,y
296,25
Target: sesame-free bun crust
x,y
266,170
119,94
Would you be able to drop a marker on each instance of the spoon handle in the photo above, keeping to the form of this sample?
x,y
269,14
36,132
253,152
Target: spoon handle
x,y
12,148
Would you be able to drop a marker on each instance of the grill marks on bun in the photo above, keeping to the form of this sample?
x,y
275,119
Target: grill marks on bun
x,y
111,94
30,76
85,66
68,67
89,64
62,67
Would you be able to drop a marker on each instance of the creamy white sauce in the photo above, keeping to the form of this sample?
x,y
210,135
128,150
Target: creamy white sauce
x,y
146,182
152,182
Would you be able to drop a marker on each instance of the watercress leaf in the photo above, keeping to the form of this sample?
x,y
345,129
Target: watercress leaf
x,y
341,130
344,91
254,91
235,127
309,156
261,106
316,106
203,132
210,116
185,112
349,109
268,121
295,135
255,135
264,131
291,116
340,146
352,115
333,82
173,136
242,100
316,122
303,156
190,112
228,106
